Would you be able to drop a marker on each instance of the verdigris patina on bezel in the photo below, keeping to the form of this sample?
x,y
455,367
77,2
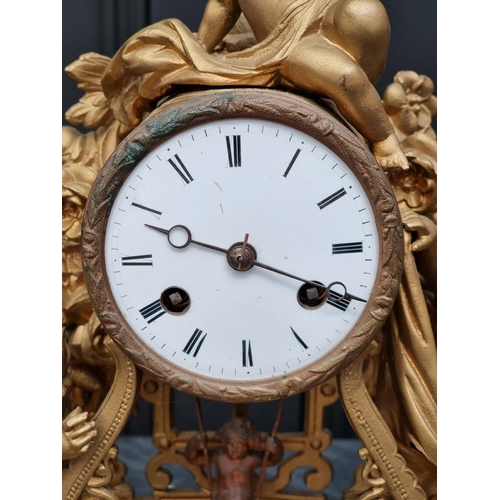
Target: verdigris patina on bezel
x,y
176,115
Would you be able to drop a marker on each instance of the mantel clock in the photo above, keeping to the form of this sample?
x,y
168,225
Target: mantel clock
x,y
242,245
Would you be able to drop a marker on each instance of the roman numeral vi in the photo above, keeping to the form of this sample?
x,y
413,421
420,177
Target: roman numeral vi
x,y
247,358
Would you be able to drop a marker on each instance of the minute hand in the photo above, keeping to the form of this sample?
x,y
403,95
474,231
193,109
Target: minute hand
x,y
346,295
250,259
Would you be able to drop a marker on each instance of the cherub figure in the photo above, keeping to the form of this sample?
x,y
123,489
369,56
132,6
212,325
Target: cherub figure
x,y
342,59
331,48
235,462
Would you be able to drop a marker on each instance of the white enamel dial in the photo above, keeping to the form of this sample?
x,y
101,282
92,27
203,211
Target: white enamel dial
x,y
305,214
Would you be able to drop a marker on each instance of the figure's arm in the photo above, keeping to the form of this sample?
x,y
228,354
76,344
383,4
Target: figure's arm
x,y
194,450
218,19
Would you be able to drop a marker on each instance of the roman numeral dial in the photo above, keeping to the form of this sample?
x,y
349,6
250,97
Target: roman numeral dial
x,y
152,311
292,161
340,248
337,300
194,344
147,209
330,199
246,353
207,301
138,260
233,145
180,168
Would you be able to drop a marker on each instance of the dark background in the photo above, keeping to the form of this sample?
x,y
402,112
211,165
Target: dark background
x,y
102,26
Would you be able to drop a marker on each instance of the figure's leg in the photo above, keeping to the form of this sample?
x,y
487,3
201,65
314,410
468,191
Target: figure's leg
x,y
361,28
319,67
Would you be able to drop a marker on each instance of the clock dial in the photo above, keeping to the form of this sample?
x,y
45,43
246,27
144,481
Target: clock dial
x,y
241,251
305,214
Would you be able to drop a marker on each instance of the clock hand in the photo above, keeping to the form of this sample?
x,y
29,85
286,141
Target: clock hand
x,y
242,256
243,249
345,295
189,239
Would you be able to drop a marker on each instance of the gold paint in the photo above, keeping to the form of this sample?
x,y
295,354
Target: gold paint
x,y
92,467
307,445
336,49
405,369
274,44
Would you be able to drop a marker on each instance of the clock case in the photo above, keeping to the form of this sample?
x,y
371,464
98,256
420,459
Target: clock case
x,y
179,113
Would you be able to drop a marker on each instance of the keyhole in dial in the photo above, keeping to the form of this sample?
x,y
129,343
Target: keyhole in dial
x,y
312,297
175,300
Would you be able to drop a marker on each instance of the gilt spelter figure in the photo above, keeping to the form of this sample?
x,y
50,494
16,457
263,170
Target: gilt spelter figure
x,y
336,49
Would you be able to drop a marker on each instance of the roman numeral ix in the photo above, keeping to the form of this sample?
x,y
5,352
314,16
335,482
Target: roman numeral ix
x,y
138,260
233,145
330,199
152,311
195,343
338,248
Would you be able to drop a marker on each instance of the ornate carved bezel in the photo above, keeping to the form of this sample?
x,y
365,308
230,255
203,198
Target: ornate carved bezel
x,y
179,114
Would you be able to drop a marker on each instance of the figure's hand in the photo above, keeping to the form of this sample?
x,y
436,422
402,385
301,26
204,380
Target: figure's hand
x,y
424,228
197,441
242,256
194,450
271,444
275,448
77,434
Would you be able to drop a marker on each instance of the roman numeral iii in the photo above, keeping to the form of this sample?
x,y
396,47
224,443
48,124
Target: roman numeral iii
x,y
233,144
195,342
342,304
347,247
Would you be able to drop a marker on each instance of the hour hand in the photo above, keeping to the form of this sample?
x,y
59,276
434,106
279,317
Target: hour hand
x,y
179,237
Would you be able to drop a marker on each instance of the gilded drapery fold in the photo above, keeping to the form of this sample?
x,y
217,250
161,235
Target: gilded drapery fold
x,y
168,53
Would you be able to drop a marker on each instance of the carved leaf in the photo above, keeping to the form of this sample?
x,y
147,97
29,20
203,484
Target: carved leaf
x,y
87,71
91,111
